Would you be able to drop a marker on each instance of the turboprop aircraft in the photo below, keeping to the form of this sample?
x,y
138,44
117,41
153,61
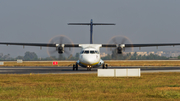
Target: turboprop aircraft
x,y
90,54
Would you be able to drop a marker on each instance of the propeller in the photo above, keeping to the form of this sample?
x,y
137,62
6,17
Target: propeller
x,y
53,51
120,40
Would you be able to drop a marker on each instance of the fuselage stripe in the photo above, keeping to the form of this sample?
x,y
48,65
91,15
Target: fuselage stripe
x,y
89,64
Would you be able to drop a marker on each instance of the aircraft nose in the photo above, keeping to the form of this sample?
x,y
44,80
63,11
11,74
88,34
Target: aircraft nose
x,y
91,60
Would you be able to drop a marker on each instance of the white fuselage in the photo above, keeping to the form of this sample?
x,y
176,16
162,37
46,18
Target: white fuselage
x,y
90,56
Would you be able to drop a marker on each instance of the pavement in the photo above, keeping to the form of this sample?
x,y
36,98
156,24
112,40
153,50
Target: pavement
x,y
68,70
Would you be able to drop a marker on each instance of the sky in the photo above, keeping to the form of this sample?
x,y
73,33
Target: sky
x,y
142,21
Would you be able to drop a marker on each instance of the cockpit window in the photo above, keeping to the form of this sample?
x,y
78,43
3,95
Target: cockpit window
x,y
96,52
81,52
86,52
89,51
92,52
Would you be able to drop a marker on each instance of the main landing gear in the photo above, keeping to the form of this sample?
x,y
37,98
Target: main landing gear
x,y
75,66
104,66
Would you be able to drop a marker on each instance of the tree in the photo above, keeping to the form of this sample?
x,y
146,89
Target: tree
x,y
178,57
30,56
114,54
108,57
20,57
61,57
77,55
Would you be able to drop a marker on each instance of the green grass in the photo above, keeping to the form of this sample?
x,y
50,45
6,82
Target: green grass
x,y
88,87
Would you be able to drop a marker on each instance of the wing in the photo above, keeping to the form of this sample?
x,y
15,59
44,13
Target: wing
x,y
77,45
40,44
121,46
140,45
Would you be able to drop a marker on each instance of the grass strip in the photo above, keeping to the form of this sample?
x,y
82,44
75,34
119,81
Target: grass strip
x,y
88,87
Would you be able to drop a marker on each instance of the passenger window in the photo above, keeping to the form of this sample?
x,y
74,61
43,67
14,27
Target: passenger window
x,y
86,52
92,52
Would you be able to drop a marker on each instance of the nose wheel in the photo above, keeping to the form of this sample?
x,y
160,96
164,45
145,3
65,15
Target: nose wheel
x,y
104,66
75,66
89,69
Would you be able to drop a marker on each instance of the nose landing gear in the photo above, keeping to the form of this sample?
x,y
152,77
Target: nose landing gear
x,y
75,66
89,68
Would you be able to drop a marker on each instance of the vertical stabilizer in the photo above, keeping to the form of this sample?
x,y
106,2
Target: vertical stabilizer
x,y
91,32
91,27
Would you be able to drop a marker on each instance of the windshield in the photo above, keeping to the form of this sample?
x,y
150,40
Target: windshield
x,y
89,51
86,51
92,52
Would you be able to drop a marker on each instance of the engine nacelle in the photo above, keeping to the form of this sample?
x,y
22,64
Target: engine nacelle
x,y
60,50
119,50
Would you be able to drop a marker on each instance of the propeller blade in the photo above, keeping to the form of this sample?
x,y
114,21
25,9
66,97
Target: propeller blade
x,y
52,51
67,52
123,40
61,39
114,40
119,40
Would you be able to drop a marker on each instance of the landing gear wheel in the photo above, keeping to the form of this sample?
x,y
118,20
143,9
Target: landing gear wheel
x,y
104,66
89,69
76,66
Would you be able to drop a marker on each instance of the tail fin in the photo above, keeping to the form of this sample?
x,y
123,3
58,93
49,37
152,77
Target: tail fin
x,y
91,27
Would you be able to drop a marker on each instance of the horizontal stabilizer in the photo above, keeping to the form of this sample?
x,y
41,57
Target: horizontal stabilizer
x,y
104,24
78,23
92,24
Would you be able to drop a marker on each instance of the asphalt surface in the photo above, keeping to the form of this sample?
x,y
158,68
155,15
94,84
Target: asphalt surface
x,y
68,70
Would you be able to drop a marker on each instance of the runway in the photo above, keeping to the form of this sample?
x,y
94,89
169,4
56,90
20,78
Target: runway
x,y
68,70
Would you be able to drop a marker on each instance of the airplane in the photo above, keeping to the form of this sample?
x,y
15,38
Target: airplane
x,y
90,54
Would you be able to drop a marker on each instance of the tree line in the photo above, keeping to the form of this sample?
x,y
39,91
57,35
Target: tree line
x,y
134,56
